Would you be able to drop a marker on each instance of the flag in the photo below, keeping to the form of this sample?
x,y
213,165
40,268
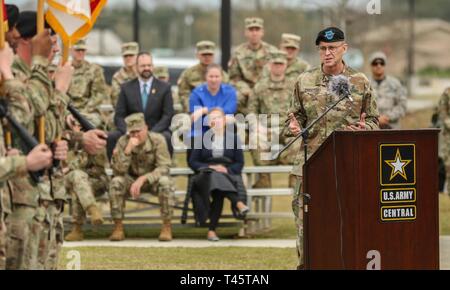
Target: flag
x,y
73,19
5,17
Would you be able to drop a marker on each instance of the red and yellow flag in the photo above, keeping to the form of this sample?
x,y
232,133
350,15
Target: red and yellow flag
x,y
73,19
5,16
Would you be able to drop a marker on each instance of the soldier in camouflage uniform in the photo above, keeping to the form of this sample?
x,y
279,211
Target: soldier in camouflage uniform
x,y
86,180
88,89
27,243
141,161
248,60
444,119
271,95
196,75
128,72
47,101
311,97
290,43
14,165
390,94
162,74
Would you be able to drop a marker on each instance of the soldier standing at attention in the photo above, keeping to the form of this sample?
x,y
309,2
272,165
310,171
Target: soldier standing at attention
x,y
311,98
391,95
290,43
196,75
128,72
248,60
271,96
88,89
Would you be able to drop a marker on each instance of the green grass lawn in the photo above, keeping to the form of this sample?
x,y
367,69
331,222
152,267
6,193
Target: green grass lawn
x,y
228,258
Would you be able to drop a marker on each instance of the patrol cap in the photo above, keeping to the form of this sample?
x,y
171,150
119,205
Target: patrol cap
x,y
254,22
330,34
80,45
130,48
378,55
290,40
206,47
161,72
135,122
13,15
278,57
27,24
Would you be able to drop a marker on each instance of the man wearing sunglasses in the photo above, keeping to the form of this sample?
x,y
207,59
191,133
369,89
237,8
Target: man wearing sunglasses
x,y
311,98
390,94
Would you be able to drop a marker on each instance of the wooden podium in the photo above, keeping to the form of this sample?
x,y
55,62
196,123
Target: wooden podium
x,y
374,201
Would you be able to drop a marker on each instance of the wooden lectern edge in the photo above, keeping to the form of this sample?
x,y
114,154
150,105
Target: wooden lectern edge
x,y
367,132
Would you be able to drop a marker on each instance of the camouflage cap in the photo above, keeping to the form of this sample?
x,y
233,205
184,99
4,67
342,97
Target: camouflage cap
x,y
254,22
278,57
135,122
378,55
290,40
206,47
161,72
130,48
80,45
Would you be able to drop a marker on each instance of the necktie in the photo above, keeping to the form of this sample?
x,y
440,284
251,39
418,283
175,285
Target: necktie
x,y
144,96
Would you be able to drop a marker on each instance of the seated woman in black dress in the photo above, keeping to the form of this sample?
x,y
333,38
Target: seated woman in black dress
x,y
218,166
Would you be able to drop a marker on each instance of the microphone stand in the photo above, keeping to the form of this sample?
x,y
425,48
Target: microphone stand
x,y
304,135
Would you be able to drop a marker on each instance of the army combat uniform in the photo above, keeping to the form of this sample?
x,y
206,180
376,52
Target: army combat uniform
x,y
296,66
196,75
28,220
272,98
12,166
151,159
444,116
246,66
124,74
88,89
310,99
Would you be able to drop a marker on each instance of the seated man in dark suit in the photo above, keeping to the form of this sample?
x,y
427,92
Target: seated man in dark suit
x,y
148,95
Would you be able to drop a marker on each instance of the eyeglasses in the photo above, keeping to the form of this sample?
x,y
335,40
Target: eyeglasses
x,y
332,49
377,63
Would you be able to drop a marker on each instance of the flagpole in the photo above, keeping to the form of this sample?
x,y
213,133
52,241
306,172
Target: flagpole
x,y
2,26
8,136
40,29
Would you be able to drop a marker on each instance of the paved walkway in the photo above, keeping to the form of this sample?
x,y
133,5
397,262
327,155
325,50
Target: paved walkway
x,y
177,243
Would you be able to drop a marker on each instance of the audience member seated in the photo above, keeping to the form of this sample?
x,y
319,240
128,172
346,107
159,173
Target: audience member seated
x,y
218,167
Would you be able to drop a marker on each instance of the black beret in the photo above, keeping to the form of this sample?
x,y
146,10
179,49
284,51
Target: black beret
x,y
330,34
27,24
13,14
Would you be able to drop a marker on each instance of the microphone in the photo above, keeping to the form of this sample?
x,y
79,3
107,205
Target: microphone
x,y
340,86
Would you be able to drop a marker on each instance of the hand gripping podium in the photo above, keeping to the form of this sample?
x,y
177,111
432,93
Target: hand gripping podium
x,y
374,201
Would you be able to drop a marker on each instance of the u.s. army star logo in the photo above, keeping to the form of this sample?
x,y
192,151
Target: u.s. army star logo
x,y
397,164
